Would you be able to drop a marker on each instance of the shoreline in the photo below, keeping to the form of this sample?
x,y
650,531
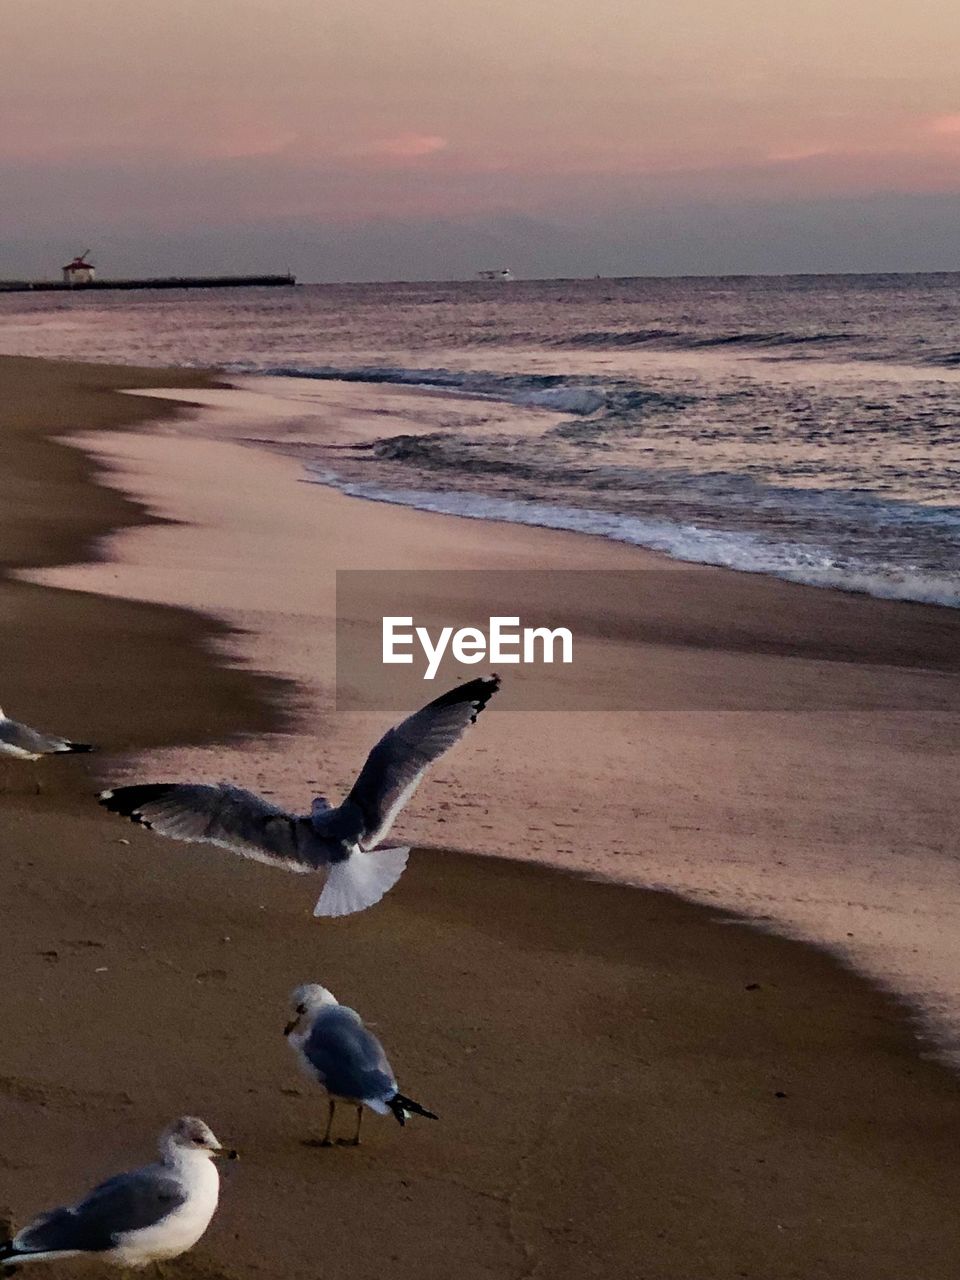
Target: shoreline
x,y
608,1062
408,409
792,762
54,509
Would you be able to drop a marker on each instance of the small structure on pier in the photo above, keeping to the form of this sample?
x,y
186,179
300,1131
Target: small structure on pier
x,y
79,271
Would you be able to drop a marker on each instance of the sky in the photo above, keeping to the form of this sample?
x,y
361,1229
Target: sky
x,y
403,139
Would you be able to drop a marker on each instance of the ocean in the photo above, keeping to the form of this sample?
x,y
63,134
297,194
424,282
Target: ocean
x,y
807,427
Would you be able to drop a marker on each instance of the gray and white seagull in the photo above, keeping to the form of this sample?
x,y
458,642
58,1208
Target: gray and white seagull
x,y
136,1218
343,840
345,1058
24,743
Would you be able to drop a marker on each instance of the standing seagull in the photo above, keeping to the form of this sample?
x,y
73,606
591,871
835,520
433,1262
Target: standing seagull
x,y
24,743
337,1050
341,839
147,1215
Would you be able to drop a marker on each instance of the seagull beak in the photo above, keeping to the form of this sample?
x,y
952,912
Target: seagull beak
x,y
291,1025
225,1153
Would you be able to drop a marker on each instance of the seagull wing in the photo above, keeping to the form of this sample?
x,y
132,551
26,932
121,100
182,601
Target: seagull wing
x,y
21,738
127,1202
399,760
348,1059
223,815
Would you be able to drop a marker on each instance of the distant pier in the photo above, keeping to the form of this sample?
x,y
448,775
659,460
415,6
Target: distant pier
x,y
157,282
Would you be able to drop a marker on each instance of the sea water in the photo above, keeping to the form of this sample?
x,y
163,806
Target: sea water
x,y
807,427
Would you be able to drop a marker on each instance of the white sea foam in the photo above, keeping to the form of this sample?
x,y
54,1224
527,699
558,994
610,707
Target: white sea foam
x,y
744,551
579,400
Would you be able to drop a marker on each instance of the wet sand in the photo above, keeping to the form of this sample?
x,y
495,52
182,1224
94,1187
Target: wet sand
x,y
629,1085
767,747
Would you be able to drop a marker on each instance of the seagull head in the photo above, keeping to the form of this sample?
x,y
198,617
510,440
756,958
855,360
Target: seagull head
x,y
191,1136
307,1001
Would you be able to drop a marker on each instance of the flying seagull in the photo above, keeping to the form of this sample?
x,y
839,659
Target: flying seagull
x,y
20,740
337,1050
342,839
147,1215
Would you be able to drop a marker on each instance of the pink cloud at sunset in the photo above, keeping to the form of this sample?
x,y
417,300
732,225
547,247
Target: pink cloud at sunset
x,y
949,125
408,146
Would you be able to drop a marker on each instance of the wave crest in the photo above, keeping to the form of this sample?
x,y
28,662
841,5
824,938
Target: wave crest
x,y
746,552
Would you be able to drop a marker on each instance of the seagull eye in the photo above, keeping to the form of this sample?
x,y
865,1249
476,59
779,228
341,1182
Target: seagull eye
x,y
301,1009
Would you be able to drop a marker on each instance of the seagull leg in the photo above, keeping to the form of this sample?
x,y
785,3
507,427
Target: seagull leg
x,y
355,1140
331,1105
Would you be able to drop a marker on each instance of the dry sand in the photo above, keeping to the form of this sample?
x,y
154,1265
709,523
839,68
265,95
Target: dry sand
x,y
629,1086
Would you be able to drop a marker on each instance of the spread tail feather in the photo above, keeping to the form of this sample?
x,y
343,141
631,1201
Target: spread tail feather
x,y
360,881
402,1106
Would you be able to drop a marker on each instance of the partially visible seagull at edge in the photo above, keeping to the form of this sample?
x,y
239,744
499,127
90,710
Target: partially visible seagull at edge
x,y
342,840
133,1219
23,743
337,1050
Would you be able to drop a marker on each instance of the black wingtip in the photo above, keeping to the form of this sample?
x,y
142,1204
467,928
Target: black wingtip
x,y
402,1106
128,800
486,687
478,691
80,746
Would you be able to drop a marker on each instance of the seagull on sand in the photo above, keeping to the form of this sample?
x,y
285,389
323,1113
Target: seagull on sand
x,y
337,1050
136,1218
342,840
23,743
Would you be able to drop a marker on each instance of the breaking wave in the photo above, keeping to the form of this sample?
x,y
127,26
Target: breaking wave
x,y
629,462
746,552
538,391
556,393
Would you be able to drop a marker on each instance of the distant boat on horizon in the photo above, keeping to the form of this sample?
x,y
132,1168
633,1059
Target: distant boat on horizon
x,y
500,273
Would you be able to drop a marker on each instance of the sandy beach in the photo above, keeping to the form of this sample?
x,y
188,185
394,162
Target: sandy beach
x,y
766,747
630,1084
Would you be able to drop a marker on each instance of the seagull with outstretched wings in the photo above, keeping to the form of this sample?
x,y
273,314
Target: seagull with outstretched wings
x,y
343,840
